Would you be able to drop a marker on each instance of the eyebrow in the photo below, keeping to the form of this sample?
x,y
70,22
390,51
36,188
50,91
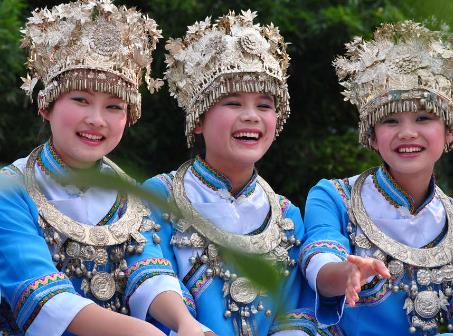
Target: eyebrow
x,y
91,93
265,96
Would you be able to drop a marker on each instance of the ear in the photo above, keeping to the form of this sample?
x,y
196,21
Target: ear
x,y
373,143
198,128
448,137
44,113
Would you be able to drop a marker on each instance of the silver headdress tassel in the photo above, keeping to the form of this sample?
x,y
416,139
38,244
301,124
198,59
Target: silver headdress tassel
x,y
231,55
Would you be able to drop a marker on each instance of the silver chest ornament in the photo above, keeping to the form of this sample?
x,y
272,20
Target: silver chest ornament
x,y
424,274
193,231
84,251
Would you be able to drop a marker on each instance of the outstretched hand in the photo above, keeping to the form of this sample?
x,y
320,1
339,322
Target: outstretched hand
x,y
360,269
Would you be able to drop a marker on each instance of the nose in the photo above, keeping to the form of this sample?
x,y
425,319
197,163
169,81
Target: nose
x,y
250,114
408,130
95,116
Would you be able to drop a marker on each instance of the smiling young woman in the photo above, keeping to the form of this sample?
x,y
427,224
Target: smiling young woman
x,y
84,261
385,234
236,99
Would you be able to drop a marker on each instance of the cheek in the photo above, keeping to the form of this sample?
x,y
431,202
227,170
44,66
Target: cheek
x,y
63,120
270,121
118,124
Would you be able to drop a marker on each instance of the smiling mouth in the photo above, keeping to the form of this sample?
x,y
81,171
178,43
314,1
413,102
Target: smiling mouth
x,y
247,136
403,150
91,137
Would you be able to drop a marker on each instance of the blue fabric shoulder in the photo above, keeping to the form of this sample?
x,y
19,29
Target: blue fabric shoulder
x,y
28,277
326,219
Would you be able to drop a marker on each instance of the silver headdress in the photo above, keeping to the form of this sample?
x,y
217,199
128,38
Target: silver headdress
x,y
90,45
406,67
231,55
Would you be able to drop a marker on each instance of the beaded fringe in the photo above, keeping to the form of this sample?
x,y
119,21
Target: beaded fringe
x,y
118,88
429,101
228,85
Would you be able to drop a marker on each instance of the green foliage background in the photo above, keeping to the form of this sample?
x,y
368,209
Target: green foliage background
x,y
319,139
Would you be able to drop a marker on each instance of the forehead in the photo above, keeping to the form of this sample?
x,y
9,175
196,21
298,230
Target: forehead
x,y
250,95
90,93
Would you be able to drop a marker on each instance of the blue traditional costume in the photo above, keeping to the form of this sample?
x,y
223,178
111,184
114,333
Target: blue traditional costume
x,y
370,215
212,61
64,247
252,215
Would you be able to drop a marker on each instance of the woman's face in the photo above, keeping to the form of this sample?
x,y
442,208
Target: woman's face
x,y
411,142
86,125
238,129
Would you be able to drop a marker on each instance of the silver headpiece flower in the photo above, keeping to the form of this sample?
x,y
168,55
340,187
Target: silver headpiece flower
x,y
231,55
90,45
406,67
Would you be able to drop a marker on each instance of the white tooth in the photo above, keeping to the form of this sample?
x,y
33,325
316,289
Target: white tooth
x,y
91,136
410,150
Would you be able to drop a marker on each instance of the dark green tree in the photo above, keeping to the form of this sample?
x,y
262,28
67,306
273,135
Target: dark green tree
x,y
320,138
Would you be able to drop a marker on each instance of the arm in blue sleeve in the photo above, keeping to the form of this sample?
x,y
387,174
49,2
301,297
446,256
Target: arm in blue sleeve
x,y
325,220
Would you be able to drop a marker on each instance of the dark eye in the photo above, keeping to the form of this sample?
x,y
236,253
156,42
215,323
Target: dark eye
x,y
82,100
389,120
265,106
232,103
424,117
115,107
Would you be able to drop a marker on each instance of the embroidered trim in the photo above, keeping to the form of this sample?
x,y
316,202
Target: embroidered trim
x,y
343,188
321,246
198,283
303,321
377,296
188,301
120,204
330,331
50,161
390,190
209,176
299,316
145,269
438,239
262,226
32,298
249,188
284,203
215,180
167,180
148,262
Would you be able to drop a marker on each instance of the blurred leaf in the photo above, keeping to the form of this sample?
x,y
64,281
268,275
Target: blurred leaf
x,y
260,271
93,178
